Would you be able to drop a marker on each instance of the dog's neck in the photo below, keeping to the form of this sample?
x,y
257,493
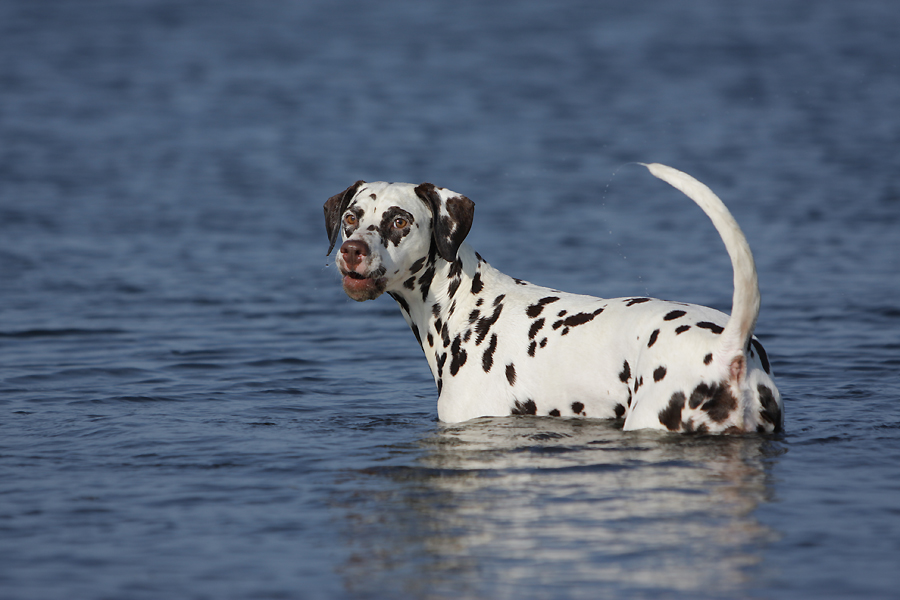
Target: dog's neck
x,y
450,304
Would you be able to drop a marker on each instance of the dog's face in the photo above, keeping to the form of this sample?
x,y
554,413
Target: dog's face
x,y
390,233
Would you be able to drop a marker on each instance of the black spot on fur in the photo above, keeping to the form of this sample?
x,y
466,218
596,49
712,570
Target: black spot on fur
x,y
577,408
620,410
535,309
701,394
578,319
716,400
653,337
430,339
441,360
681,329
711,326
625,375
417,266
532,347
524,408
404,305
485,323
511,373
473,316
454,287
554,412
455,268
410,283
763,357
670,416
520,282
477,285
769,411
557,324
415,330
487,360
480,302
659,373
638,383
675,314
543,342
562,313
633,301
459,356
425,281
535,327
707,359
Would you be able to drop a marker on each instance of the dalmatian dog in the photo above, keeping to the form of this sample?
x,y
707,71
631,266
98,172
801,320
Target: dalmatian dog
x,y
503,346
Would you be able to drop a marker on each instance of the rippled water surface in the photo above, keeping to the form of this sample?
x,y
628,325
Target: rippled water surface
x,y
191,408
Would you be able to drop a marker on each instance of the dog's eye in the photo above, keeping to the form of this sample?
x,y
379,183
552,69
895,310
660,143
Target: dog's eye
x,y
350,219
400,223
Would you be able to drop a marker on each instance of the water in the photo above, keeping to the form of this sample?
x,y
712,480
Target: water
x,y
190,407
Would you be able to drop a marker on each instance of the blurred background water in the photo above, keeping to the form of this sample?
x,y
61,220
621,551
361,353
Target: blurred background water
x,y
191,408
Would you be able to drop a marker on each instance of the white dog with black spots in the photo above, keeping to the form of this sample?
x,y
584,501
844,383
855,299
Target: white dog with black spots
x,y
502,346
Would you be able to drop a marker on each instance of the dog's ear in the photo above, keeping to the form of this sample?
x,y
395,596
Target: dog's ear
x,y
334,208
451,219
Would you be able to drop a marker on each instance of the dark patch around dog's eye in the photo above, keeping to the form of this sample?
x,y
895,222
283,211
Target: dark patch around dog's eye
x,y
390,233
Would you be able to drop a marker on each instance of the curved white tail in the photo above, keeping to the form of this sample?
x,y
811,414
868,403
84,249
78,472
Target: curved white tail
x,y
745,303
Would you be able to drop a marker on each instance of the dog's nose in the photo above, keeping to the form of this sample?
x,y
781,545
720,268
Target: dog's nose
x,y
353,252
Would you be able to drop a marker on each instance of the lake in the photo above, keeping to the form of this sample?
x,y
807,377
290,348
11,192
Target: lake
x,y
190,407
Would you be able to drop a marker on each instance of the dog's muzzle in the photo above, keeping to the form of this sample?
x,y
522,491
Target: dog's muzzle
x,y
359,285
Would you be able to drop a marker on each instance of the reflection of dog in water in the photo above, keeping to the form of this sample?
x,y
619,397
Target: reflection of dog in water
x,y
501,507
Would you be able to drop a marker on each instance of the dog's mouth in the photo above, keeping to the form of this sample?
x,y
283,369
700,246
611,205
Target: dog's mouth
x,y
360,287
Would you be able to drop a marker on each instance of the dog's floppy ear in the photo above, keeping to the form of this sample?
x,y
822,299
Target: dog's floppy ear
x,y
451,219
334,208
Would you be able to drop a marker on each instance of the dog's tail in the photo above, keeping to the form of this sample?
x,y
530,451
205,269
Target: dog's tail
x,y
745,303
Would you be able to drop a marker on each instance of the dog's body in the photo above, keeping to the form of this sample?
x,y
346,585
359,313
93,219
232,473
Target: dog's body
x,y
499,346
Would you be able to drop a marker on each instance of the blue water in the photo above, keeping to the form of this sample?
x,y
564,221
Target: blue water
x,y
191,408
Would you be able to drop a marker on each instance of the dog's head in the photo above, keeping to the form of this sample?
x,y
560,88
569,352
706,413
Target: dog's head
x,y
390,231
